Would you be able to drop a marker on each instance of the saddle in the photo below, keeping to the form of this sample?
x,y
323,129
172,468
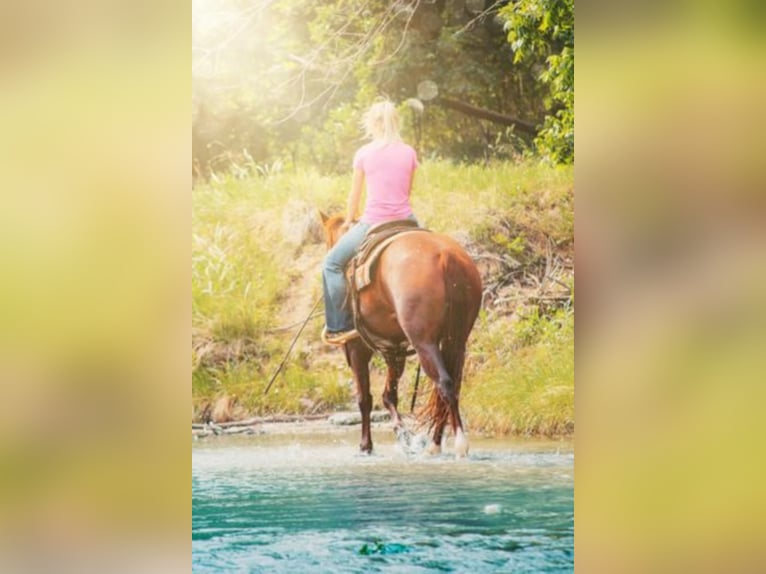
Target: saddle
x,y
360,273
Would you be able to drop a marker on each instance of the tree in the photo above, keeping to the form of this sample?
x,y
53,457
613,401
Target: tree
x,y
542,32
287,81
361,50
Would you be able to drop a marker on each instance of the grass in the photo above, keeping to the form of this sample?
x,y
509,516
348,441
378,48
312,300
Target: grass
x,y
450,198
245,255
519,376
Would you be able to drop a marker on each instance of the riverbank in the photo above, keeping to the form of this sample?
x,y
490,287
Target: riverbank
x,y
293,424
336,423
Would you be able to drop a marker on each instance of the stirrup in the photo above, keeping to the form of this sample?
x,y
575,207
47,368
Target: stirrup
x,y
339,338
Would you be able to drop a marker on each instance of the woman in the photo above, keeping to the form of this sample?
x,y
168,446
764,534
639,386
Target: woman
x,y
386,165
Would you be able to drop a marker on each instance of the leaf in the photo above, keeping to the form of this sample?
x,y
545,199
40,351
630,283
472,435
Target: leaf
x,y
546,22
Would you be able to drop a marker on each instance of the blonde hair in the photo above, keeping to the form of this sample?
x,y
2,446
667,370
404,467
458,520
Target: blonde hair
x,y
381,122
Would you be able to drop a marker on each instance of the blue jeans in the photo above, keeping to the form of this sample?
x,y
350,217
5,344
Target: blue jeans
x,y
338,313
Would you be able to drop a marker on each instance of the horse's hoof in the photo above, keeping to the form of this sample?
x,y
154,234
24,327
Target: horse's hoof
x,y
433,449
461,444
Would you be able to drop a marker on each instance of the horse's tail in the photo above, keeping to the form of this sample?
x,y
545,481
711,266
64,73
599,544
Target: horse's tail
x,y
460,315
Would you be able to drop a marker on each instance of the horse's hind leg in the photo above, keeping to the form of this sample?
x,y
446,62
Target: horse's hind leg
x,y
436,445
395,365
358,356
433,365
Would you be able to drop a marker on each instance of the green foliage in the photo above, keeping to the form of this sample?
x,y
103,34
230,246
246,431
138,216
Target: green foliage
x,y
534,327
233,276
239,279
297,390
286,81
542,31
520,375
462,197
331,146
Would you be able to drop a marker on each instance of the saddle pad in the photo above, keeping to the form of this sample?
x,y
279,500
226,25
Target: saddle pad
x,y
362,270
379,233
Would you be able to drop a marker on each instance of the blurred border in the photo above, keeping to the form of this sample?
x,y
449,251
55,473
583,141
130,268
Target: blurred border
x,y
95,305
95,298
670,241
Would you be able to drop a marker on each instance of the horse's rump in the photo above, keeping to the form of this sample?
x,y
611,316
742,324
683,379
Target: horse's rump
x,y
425,279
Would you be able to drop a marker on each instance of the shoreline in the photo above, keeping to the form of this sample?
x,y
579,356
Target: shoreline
x,y
328,423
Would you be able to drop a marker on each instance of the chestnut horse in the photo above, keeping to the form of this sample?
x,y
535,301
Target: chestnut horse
x,y
425,289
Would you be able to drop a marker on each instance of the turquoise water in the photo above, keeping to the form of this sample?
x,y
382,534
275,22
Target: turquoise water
x,y
306,504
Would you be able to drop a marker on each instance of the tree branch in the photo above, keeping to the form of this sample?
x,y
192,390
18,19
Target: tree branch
x,y
498,118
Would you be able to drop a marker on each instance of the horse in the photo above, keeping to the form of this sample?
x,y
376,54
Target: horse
x,y
425,291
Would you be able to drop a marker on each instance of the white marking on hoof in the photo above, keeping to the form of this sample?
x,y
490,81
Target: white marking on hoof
x,y
461,444
434,449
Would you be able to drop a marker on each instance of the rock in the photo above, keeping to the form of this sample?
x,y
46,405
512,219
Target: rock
x,y
300,223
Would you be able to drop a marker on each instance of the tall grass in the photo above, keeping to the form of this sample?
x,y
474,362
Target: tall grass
x,y
451,198
519,376
519,372
242,266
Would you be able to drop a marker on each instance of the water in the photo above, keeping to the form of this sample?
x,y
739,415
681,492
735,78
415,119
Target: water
x,y
311,504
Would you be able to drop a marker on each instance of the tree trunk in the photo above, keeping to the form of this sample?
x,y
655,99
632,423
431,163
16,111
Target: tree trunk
x,y
468,109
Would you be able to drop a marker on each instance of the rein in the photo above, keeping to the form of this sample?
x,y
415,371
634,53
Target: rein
x,y
289,350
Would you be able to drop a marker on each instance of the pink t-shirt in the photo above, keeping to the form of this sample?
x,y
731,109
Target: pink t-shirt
x,y
388,172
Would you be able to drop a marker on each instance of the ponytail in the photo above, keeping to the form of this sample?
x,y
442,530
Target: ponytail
x,y
381,122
